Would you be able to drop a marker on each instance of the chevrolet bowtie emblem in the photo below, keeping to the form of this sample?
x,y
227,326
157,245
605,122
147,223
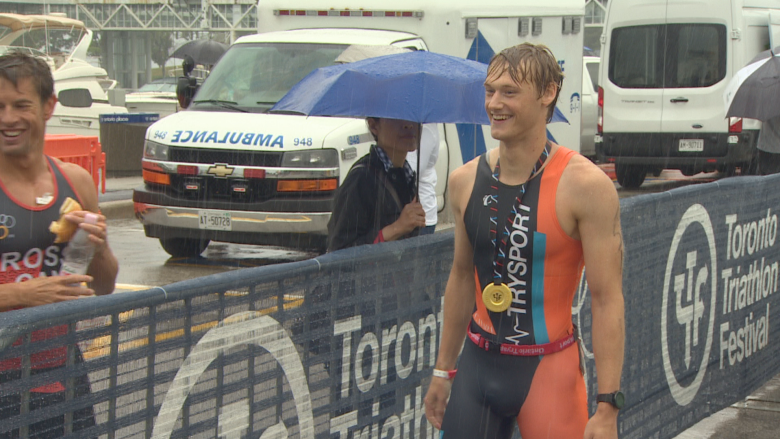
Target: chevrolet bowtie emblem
x,y
221,170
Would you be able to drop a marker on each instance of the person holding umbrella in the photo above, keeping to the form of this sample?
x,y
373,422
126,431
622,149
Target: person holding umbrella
x,y
754,93
377,200
528,215
398,93
769,147
769,137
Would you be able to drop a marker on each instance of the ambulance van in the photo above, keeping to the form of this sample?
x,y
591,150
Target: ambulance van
x,y
664,67
227,170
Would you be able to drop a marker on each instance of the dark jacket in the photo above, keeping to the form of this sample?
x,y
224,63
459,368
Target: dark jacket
x,y
368,200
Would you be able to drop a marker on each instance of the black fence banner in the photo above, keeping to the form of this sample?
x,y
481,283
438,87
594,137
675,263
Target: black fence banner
x,y
342,346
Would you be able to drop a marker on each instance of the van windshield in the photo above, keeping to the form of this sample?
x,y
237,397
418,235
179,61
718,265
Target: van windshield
x,y
668,56
256,76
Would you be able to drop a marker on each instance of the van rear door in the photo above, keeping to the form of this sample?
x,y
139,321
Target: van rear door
x,y
633,85
697,56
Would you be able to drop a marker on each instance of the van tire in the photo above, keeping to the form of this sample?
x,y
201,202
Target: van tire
x,y
630,176
184,247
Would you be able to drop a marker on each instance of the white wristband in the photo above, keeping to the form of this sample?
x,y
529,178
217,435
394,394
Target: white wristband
x,y
446,374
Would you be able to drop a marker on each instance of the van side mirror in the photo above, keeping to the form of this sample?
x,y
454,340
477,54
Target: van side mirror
x,y
75,97
186,86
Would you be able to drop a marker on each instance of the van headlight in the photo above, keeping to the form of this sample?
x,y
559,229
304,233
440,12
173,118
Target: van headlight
x,y
155,151
312,158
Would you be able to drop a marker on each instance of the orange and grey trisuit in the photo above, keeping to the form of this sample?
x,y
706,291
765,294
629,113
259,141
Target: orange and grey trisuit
x,y
546,394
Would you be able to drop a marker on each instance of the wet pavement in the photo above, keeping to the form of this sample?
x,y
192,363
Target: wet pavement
x,y
755,417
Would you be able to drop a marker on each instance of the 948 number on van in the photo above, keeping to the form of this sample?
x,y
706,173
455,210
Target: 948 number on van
x,y
214,220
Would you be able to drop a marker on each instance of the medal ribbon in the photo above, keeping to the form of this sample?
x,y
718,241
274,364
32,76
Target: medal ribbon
x,y
500,250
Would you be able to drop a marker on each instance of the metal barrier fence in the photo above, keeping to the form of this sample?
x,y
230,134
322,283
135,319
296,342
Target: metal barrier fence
x,y
700,281
341,346
311,347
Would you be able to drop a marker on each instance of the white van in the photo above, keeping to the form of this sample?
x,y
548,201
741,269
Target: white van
x,y
590,87
665,65
226,170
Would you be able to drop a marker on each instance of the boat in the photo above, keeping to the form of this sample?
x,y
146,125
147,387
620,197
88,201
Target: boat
x,y
63,43
158,96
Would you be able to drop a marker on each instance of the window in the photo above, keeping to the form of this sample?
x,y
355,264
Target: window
x,y
256,76
696,55
668,56
594,12
160,85
635,59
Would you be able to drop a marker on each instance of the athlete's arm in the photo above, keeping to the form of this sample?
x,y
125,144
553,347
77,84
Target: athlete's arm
x,y
596,209
458,297
104,266
42,290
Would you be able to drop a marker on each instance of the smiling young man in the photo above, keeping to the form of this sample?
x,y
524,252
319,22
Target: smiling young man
x,y
33,186
376,201
528,215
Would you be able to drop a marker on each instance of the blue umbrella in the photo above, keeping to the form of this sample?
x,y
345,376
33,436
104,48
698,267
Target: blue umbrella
x,y
420,86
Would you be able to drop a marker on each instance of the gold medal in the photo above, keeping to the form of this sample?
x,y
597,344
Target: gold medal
x,y
497,298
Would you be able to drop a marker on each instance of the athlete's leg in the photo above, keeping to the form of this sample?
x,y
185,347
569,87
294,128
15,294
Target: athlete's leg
x,y
557,404
477,409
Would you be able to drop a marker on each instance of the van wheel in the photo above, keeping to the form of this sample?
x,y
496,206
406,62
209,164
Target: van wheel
x,y
184,247
630,176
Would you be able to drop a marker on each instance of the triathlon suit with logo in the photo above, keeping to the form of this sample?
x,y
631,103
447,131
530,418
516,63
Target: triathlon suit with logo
x,y
545,395
27,251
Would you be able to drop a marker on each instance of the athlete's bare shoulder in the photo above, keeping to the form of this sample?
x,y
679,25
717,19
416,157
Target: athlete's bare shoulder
x,y
582,177
584,184
465,174
584,192
580,167
82,184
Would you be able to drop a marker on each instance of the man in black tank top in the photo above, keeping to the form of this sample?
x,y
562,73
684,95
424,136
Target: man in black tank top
x,y
33,186
528,215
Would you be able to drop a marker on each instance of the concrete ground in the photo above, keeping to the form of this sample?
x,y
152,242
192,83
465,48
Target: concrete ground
x,y
756,417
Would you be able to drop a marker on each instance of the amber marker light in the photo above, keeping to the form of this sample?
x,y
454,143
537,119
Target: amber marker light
x,y
329,184
156,178
152,173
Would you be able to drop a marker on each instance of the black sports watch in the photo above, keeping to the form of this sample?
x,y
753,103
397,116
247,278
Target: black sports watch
x,y
615,398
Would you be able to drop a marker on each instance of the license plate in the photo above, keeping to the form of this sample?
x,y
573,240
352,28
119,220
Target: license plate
x,y
214,220
691,145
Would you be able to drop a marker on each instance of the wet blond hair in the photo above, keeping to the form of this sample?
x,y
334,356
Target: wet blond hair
x,y
532,63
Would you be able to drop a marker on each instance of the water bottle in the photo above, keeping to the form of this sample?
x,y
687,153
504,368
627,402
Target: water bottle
x,y
78,253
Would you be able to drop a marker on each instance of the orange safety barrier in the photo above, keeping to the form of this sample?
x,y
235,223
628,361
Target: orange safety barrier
x,y
84,151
